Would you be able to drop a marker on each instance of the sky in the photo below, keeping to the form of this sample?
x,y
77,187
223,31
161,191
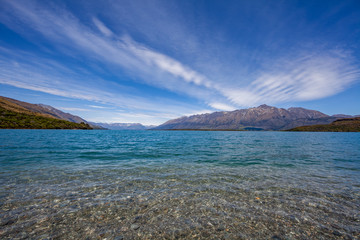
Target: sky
x,y
150,61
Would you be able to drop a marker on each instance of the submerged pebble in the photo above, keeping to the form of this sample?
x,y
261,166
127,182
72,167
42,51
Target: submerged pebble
x,y
187,191
134,226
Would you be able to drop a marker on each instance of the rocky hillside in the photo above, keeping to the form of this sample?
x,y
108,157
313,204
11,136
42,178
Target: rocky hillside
x,y
263,117
17,114
340,125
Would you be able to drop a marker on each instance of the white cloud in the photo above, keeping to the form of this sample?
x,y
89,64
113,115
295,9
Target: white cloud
x,y
198,112
64,29
302,79
167,64
222,106
99,107
102,28
60,81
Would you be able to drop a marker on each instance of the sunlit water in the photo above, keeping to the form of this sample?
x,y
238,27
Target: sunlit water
x,y
60,184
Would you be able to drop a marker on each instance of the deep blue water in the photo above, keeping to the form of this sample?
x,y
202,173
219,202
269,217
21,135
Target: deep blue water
x,y
179,184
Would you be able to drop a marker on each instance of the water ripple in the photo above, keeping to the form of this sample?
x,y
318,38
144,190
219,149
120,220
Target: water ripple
x,y
168,185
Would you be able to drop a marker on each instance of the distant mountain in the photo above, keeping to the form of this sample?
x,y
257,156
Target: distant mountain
x,y
345,116
263,117
17,114
340,125
123,126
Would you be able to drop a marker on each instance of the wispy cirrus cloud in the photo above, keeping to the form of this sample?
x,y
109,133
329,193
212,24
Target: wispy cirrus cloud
x,y
212,79
168,64
56,79
64,29
73,109
299,79
222,106
102,28
99,107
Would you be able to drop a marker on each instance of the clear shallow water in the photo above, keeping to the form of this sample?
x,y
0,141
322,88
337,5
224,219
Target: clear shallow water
x,y
62,184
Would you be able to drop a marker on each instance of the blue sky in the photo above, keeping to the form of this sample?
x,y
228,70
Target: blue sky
x,y
151,61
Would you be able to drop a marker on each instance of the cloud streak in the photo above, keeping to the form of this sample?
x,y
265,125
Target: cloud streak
x,y
300,76
102,28
64,29
300,79
60,81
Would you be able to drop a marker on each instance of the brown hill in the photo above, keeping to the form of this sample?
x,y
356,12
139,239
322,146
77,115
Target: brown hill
x,y
340,125
44,110
18,114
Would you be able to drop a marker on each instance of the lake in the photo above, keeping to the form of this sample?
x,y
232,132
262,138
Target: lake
x,y
63,184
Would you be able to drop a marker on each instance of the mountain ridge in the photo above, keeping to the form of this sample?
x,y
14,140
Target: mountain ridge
x,y
16,114
42,109
45,110
263,117
62,115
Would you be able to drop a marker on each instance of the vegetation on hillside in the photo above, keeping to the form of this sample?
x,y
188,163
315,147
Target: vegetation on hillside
x,y
341,125
14,106
26,120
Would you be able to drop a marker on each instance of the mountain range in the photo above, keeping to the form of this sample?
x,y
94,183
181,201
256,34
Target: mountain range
x,y
18,114
263,117
123,126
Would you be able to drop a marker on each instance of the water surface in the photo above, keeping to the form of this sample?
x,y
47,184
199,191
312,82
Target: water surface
x,y
62,184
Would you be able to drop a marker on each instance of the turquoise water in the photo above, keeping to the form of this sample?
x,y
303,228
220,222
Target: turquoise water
x,y
61,184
